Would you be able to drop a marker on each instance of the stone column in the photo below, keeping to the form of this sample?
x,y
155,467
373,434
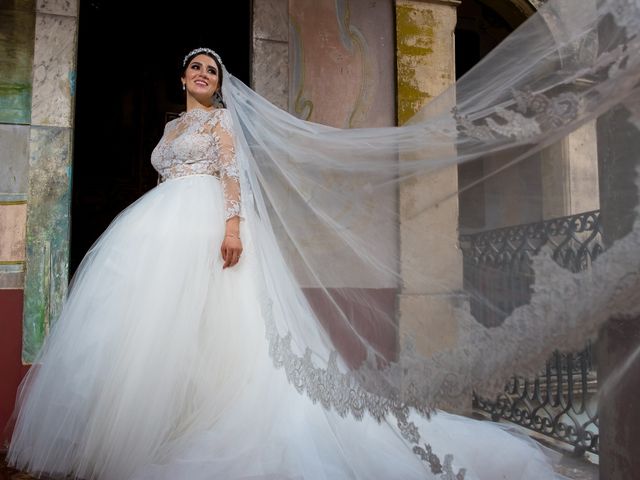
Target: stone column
x,y
570,174
270,51
430,260
618,405
49,195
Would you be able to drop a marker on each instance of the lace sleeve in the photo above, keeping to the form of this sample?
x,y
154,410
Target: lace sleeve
x,y
167,128
229,173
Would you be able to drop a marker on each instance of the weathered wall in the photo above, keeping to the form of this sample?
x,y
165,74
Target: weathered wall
x,y
338,62
270,50
342,62
37,82
425,59
48,198
17,26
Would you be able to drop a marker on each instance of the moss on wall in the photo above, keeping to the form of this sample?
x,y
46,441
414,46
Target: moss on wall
x,y
415,27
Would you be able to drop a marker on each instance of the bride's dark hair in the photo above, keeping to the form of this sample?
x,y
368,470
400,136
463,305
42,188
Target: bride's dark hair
x,y
217,96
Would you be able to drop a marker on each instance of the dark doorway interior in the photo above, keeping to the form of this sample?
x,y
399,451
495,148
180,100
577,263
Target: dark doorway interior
x,y
129,56
481,26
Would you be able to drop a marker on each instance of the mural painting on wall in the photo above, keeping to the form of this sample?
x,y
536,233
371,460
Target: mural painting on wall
x,y
342,62
342,74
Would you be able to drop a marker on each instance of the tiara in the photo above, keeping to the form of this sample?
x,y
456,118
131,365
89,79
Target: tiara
x,y
200,50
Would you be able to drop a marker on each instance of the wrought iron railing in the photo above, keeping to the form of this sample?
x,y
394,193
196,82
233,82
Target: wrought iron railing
x,y
560,402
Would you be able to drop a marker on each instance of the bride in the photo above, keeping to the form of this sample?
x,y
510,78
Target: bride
x,y
187,347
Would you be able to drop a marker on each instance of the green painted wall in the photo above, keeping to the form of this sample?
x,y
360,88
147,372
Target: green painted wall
x,y
17,27
47,234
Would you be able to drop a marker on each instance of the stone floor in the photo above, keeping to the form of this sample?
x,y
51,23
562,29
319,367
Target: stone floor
x,y
575,468
578,469
570,467
7,473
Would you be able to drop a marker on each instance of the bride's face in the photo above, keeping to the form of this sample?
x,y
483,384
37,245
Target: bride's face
x,y
201,77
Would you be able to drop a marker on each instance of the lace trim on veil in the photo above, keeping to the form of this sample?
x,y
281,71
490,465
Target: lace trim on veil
x,y
336,390
556,308
452,374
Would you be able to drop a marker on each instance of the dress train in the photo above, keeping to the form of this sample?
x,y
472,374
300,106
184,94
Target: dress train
x,y
159,369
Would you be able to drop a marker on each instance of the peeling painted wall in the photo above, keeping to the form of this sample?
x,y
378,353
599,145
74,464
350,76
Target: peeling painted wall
x,y
49,196
47,233
37,84
14,171
17,24
341,70
341,62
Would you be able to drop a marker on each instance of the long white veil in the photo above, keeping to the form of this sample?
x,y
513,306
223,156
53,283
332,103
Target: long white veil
x,y
348,298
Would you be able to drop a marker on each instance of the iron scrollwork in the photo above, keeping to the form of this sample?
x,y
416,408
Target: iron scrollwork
x,y
560,402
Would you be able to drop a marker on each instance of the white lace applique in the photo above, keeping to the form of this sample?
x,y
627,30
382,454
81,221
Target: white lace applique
x,y
529,115
343,393
222,130
201,142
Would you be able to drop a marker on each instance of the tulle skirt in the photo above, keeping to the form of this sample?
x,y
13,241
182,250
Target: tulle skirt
x,y
158,368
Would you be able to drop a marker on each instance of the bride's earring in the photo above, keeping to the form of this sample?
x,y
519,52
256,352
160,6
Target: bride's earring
x,y
217,99
184,87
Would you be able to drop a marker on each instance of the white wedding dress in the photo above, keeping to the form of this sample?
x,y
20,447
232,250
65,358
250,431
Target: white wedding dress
x,y
159,365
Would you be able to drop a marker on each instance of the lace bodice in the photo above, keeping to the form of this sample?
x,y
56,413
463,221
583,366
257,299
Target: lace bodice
x,y
201,142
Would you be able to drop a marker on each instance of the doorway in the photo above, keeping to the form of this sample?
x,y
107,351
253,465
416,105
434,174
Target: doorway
x,y
128,85
481,26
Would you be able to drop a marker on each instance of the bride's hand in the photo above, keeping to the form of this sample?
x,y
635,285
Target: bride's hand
x,y
231,249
